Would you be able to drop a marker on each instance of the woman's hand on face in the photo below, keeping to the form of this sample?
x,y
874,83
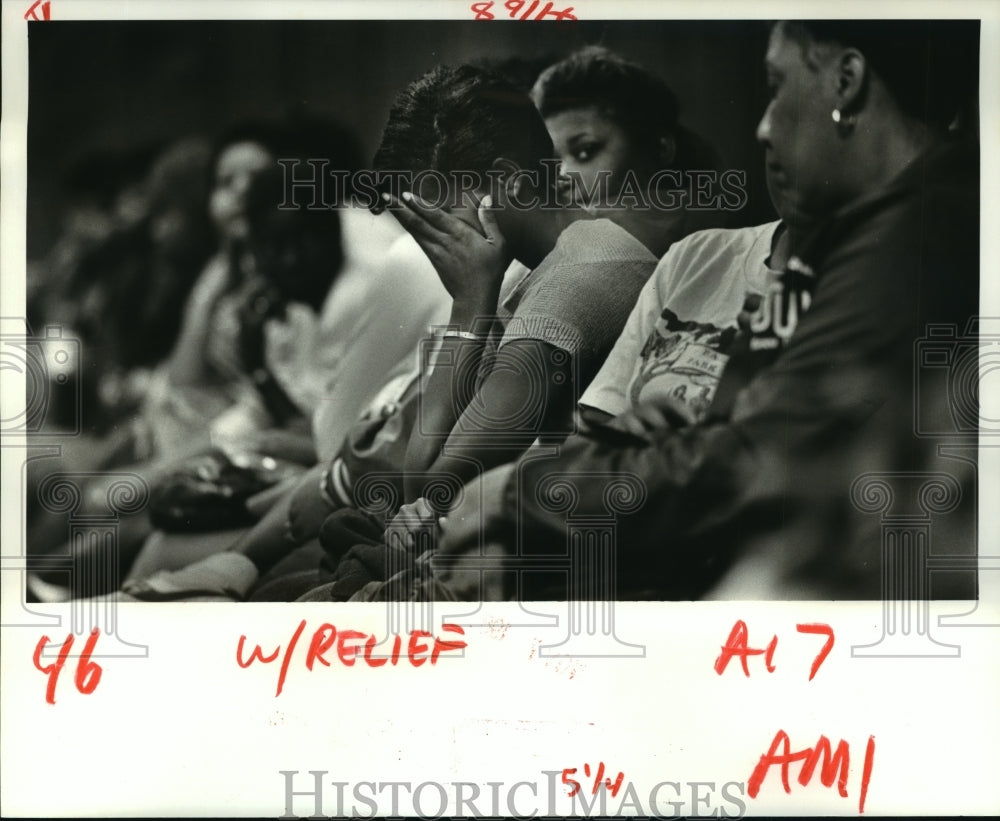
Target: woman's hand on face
x,y
470,264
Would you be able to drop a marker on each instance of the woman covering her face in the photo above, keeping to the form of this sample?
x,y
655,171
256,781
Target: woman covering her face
x,y
826,416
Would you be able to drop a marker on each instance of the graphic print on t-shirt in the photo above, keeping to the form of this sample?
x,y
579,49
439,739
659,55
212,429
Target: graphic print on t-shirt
x,y
682,362
786,300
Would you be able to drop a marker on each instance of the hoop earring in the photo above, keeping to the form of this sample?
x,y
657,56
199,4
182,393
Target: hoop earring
x,y
845,122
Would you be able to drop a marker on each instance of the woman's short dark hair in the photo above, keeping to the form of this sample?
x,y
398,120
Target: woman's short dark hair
x,y
930,67
462,119
632,97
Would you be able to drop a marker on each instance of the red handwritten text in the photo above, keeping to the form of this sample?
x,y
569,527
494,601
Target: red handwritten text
x,y
737,645
599,780
831,765
350,645
88,673
44,6
523,10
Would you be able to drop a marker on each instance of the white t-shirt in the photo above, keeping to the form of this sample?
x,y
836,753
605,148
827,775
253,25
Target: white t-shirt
x,y
670,346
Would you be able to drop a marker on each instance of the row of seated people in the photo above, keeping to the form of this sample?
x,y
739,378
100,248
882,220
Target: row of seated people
x,y
714,393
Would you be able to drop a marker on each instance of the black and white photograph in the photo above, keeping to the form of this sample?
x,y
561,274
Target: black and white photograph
x,y
616,325
515,316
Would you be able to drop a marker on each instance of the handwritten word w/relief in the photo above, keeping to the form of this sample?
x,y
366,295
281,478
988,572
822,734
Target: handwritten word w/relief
x,y
352,644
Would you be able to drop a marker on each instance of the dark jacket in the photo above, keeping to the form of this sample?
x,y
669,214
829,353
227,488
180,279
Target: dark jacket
x,y
814,446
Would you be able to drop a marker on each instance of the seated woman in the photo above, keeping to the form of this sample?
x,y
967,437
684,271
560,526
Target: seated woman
x,y
615,129
553,320
519,349
755,498
591,95
624,154
367,303
330,365
206,389
606,116
673,348
331,350
117,280
222,381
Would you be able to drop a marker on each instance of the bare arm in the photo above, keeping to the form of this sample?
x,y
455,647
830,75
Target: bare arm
x,y
470,263
187,365
528,392
452,385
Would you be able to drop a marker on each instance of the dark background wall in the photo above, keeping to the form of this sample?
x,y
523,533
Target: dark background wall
x,y
116,86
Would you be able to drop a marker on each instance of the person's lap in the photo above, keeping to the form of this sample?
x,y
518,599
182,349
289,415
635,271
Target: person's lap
x,y
172,551
303,559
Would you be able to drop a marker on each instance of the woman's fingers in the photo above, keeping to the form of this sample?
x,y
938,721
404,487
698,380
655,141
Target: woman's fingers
x,y
652,416
413,517
418,227
437,216
488,219
629,423
438,221
648,417
424,511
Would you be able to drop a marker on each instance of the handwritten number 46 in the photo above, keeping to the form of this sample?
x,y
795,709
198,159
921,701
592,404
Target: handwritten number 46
x,y
88,673
736,645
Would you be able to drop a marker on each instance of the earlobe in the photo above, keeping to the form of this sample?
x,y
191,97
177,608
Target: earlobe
x,y
512,186
511,181
851,77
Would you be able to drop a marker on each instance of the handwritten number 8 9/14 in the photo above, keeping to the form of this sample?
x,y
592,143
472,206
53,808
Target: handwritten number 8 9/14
x,y
523,10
